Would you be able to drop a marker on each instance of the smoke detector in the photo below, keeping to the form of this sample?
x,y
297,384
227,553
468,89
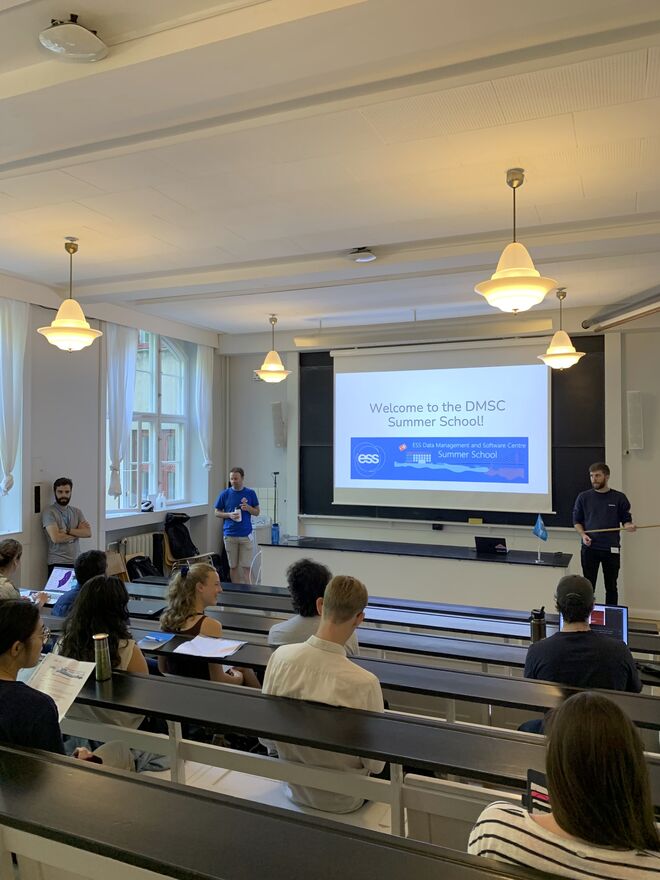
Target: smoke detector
x,y
362,255
71,41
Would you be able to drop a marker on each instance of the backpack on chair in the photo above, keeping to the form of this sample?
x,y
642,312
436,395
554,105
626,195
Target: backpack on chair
x,y
180,543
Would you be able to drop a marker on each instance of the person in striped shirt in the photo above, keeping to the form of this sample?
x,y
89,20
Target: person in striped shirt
x,y
601,825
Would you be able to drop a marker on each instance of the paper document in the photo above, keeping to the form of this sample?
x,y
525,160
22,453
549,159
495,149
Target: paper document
x,y
154,640
205,646
61,678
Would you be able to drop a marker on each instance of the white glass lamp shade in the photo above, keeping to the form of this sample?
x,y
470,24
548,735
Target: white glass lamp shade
x,y
516,285
272,369
69,330
561,353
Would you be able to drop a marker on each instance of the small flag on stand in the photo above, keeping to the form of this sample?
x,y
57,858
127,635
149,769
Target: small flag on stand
x,y
539,529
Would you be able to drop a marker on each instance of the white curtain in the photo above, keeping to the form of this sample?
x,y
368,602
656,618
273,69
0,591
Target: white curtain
x,y
204,401
13,336
122,343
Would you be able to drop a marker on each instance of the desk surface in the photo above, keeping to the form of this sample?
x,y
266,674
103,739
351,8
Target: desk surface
x,y
436,551
197,835
261,596
473,687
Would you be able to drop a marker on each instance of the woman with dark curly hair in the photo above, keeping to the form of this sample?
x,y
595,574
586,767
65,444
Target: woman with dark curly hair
x,y
601,824
101,606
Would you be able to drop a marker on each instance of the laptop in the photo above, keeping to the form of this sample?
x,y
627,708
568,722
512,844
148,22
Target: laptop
x,y
61,580
490,546
612,620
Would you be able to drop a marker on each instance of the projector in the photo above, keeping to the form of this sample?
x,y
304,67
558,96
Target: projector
x,y
71,41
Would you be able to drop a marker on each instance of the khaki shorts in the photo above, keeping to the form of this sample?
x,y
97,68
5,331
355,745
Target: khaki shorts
x,y
239,551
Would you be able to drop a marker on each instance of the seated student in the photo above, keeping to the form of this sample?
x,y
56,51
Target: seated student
x,y
601,825
101,606
306,581
577,655
29,718
319,670
190,591
10,558
87,565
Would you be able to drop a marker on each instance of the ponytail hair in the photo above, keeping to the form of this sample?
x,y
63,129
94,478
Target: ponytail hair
x,y
182,595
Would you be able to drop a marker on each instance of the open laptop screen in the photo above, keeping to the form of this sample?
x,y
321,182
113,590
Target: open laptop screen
x,y
490,546
61,580
609,619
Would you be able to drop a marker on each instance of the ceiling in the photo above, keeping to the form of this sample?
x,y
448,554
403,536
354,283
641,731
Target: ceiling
x,y
220,163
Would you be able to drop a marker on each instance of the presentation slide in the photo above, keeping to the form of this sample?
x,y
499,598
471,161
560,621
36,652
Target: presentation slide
x,y
467,438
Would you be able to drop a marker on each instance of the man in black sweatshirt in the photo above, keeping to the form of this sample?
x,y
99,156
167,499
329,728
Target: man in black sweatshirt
x,y
602,508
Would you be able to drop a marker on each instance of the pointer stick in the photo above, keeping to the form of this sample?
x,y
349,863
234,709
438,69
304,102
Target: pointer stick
x,y
621,529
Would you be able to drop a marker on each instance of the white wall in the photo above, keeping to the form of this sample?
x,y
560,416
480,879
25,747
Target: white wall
x,y
251,443
64,435
641,470
63,438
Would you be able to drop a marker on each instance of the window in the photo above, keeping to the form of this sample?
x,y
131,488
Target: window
x,y
157,454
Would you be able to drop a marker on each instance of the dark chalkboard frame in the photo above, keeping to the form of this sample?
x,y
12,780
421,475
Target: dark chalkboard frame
x,y
578,439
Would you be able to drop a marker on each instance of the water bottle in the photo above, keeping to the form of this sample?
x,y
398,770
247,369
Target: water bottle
x,y
102,656
537,624
275,534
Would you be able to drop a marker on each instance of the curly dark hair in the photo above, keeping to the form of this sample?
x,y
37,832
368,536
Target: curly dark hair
x,y
307,581
101,606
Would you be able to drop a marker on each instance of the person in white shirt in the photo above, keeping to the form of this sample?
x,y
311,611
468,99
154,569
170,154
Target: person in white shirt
x,y
601,824
319,670
306,581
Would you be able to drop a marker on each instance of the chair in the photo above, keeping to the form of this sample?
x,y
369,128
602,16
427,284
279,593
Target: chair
x,y
255,568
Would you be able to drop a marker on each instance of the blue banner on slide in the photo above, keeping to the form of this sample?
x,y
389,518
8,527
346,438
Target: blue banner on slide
x,y
441,459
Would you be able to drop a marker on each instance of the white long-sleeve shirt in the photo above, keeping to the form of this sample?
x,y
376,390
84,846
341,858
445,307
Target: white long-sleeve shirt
x,y
320,671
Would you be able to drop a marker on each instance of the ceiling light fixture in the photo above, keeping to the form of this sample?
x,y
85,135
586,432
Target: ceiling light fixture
x,y
362,255
515,286
272,369
71,41
561,353
69,330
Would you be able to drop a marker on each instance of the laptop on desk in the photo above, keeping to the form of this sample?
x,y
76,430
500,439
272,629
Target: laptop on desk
x,y
61,580
612,620
490,546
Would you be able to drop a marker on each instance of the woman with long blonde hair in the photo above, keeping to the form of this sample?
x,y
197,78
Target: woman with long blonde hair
x,y
190,591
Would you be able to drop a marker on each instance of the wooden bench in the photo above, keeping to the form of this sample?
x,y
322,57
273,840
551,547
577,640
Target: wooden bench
x,y
88,822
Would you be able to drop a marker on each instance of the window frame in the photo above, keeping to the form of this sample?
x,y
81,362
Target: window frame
x,y
156,420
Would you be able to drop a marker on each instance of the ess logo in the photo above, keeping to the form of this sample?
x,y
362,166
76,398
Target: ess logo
x,y
368,459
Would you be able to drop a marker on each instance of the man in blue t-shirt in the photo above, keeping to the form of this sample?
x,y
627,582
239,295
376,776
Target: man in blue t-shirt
x,y
236,506
602,508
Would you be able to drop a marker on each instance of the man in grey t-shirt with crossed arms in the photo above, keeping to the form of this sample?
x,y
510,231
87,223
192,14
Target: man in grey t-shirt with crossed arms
x,y
64,526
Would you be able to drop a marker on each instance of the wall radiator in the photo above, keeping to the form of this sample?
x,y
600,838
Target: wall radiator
x,y
142,544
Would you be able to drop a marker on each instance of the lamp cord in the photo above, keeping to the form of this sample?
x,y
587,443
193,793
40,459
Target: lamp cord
x,y
514,213
70,276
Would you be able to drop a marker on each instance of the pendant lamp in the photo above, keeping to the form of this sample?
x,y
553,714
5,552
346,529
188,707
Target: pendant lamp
x,y
272,369
515,286
69,330
561,353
